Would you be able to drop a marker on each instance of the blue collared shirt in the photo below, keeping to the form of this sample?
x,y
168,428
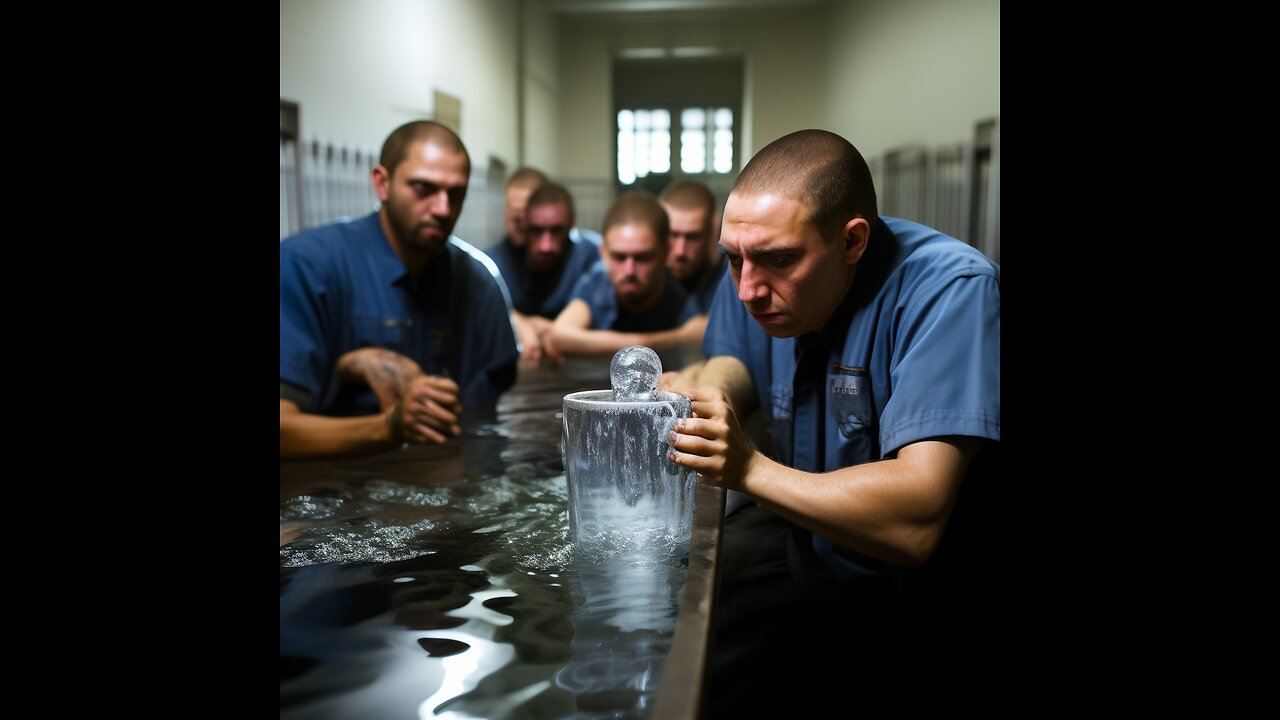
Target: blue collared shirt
x,y
671,311
342,287
547,293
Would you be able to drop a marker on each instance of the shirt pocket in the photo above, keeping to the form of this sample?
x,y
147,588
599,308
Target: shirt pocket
x,y
392,333
849,400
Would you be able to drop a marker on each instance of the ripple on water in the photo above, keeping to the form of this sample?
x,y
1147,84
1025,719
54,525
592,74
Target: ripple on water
x,y
374,541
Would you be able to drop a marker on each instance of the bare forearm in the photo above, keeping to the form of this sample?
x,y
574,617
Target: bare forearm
x,y
686,376
728,375
895,509
581,341
384,371
304,435
535,323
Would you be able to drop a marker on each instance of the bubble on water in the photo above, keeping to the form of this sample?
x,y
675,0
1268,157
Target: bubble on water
x,y
307,507
634,373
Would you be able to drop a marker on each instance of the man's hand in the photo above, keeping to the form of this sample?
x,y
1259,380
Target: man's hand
x,y
530,340
533,339
428,412
711,442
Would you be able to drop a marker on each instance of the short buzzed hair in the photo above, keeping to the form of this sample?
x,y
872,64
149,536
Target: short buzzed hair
x,y
820,169
526,177
638,208
690,195
550,194
396,147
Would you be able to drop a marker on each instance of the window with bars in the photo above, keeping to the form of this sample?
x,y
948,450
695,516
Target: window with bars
x,y
704,142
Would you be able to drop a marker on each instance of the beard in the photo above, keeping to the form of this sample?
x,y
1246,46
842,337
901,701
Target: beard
x,y
684,271
634,296
415,234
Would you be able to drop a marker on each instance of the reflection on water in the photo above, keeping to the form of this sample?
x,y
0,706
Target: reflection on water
x,y
623,619
441,582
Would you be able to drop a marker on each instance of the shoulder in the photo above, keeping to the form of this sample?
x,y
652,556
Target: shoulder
x,y
593,286
331,243
930,255
583,235
595,275
472,263
583,255
502,253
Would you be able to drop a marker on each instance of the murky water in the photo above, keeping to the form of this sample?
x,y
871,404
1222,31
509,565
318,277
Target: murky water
x,y
441,582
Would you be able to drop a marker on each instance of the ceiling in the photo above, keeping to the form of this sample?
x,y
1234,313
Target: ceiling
x,y
571,7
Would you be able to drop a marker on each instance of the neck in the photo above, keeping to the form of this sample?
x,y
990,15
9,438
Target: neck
x,y
843,298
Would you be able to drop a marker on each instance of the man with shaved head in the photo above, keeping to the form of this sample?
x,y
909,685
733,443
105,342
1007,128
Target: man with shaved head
x,y
389,326
873,345
692,257
541,272
629,298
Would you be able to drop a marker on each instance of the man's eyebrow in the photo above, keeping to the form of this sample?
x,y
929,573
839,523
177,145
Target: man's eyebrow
x,y
760,252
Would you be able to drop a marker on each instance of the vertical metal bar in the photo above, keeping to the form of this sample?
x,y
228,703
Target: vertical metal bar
x,y
991,238
966,194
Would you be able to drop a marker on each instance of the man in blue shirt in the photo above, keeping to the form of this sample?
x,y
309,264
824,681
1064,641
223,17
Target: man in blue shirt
x,y
873,344
516,198
541,275
629,298
390,327
692,259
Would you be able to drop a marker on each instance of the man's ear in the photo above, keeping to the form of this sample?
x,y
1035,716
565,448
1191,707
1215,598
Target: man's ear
x,y
381,182
855,235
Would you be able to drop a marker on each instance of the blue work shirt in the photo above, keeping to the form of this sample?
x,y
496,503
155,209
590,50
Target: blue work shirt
x,y
342,287
911,353
673,308
545,294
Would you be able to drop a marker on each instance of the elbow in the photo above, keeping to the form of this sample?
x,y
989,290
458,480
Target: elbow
x,y
917,555
918,545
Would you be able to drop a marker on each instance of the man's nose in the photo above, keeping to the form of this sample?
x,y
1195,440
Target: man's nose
x,y
678,245
750,284
438,203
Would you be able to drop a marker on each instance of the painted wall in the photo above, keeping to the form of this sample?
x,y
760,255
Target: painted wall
x,y
783,90
360,69
541,73
884,73
915,72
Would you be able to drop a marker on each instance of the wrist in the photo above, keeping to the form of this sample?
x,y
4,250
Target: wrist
x,y
394,428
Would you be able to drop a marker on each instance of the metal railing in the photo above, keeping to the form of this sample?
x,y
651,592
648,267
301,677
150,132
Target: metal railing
x,y
954,189
321,182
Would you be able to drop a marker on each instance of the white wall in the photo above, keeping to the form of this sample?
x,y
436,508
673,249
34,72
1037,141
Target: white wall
x,y
586,119
911,72
883,73
541,71
360,68
783,55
